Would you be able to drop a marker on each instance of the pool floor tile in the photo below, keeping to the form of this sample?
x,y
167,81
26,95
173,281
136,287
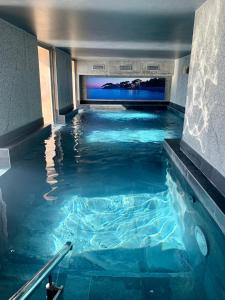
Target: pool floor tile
x,y
114,288
77,288
168,288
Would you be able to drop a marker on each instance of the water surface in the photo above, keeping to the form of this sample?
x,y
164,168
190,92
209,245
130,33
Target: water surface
x,y
105,183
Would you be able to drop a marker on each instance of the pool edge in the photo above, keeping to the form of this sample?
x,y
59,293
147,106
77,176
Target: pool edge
x,y
211,198
22,146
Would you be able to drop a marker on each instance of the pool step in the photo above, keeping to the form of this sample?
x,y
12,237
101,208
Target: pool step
x,y
107,273
109,284
160,286
131,261
164,287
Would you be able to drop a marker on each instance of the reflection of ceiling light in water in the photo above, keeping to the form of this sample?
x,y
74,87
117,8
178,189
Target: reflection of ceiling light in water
x,y
127,135
201,241
121,116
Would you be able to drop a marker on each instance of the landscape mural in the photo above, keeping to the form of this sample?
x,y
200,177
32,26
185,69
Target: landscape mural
x,y
124,88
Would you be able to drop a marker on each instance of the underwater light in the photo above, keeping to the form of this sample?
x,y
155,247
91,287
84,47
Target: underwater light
x,y
128,135
121,116
201,241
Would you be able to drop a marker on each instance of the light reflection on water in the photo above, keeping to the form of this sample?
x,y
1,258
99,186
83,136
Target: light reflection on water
x,y
128,136
111,222
130,220
97,196
121,116
113,195
51,173
122,221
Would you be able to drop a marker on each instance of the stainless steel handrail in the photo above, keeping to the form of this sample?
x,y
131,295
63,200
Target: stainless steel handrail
x,y
32,284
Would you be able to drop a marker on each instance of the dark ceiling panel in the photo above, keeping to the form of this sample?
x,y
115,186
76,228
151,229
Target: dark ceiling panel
x,y
143,28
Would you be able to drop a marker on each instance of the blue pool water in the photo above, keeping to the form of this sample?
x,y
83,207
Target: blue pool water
x,y
105,183
124,94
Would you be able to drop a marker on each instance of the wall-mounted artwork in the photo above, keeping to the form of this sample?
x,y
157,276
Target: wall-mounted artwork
x,y
122,88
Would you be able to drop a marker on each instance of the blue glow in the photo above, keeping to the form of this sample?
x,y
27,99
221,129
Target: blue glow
x,y
125,116
123,221
95,198
122,205
128,136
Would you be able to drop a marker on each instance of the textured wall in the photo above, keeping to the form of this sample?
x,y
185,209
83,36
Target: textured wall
x,y
20,100
204,128
64,79
180,81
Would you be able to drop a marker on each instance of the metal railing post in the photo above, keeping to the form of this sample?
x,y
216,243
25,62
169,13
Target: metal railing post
x,y
36,280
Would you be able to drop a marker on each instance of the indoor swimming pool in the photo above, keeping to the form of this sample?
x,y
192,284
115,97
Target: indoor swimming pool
x,y
105,183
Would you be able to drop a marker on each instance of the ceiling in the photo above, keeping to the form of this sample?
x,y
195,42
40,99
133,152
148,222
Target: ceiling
x,y
108,28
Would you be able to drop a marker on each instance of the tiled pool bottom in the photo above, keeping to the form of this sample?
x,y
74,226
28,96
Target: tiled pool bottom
x,y
105,183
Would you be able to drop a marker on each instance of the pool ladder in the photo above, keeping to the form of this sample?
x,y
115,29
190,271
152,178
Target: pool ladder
x,y
52,291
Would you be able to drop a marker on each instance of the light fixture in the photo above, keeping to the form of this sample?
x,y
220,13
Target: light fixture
x,y
201,241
